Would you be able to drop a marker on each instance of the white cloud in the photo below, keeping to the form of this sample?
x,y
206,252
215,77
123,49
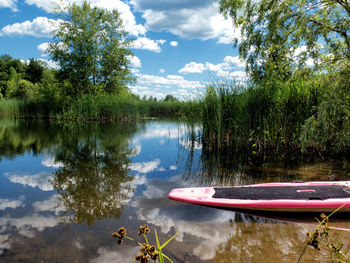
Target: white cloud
x,y
6,203
162,70
148,44
145,167
188,19
135,61
28,224
126,15
4,243
192,67
50,63
47,5
226,69
136,150
52,204
106,255
170,80
173,43
41,180
208,231
9,4
43,47
51,163
39,27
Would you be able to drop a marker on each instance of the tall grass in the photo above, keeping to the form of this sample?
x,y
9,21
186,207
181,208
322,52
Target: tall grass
x,y
102,107
256,118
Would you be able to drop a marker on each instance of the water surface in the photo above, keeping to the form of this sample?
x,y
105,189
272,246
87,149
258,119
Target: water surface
x,y
65,187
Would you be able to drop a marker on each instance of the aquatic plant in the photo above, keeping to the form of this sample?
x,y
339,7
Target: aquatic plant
x,y
320,238
147,251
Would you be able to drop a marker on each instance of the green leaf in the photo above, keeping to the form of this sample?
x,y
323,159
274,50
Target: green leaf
x,y
167,242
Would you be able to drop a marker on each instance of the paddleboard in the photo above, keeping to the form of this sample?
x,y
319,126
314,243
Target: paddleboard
x,y
280,197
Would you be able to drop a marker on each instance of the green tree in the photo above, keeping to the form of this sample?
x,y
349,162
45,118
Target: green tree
x,y
279,36
170,98
92,50
34,71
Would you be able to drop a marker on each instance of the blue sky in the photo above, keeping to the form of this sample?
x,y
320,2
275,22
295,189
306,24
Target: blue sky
x,y
179,44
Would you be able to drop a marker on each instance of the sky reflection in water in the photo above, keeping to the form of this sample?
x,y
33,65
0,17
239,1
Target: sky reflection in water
x,y
64,188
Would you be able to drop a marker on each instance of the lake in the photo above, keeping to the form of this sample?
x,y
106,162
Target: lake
x,y
65,187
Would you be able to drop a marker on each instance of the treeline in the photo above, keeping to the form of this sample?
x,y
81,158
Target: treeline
x,y
32,89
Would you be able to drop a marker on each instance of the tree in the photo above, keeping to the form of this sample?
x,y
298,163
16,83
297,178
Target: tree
x,y
279,36
170,98
92,50
34,71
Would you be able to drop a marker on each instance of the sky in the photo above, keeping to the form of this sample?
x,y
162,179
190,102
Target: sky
x,y
180,45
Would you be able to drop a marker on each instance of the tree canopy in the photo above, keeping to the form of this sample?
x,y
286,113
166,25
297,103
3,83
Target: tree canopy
x,y
92,51
280,36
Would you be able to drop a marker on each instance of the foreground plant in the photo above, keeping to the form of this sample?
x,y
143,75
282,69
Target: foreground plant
x,y
320,237
147,251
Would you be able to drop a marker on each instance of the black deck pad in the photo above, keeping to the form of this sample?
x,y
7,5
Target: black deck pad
x,y
283,192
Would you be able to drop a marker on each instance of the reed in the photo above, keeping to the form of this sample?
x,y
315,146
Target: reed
x,y
102,107
256,118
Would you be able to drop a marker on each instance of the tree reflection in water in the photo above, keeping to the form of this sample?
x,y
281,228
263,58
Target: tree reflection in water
x,y
93,183
92,179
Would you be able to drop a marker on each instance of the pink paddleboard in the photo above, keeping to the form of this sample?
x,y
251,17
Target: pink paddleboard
x,y
284,197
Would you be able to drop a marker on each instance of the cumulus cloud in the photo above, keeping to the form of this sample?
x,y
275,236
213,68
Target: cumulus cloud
x,y
5,243
160,86
41,180
145,167
6,203
148,44
9,4
188,19
162,70
192,67
43,47
127,16
227,68
134,61
111,255
27,225
169,80
51,163
39,27
52,204
209,227
173,43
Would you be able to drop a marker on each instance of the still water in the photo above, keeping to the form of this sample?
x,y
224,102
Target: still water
x,y
65,187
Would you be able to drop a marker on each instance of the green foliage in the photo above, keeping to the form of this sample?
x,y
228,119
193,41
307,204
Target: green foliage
x,y
92,50
279,36
329,128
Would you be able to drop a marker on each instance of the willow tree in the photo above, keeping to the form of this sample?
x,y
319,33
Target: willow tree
x,y
279,36
92,49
